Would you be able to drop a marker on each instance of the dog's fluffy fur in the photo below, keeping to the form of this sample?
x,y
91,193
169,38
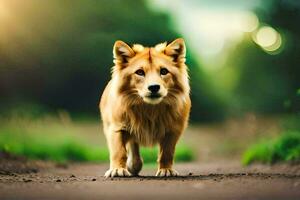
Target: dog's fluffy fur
x,y
132,117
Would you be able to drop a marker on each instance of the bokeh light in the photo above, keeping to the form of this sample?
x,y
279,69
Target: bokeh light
x,y
268,38
276,45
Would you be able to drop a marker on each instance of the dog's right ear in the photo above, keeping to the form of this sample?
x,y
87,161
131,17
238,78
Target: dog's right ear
x,y
122,52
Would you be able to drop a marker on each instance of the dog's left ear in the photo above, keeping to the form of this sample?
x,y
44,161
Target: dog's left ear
x,y
176,50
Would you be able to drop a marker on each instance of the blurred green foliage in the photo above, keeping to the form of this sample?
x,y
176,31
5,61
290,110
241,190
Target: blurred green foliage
x,y
66,149
273,86
269,83
58,54
285,148
183,154
57,141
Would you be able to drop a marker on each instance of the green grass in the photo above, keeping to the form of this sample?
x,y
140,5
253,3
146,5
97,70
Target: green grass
x,y
44,147
182,154
284,148
56,141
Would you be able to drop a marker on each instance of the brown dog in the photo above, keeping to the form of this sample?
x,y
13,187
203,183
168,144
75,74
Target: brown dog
x,y
146,102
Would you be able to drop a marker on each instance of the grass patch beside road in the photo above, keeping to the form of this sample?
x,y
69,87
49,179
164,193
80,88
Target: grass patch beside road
x,y
60,140
284,148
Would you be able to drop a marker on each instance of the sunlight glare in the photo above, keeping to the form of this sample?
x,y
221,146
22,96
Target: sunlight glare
x,y
3,11
247,22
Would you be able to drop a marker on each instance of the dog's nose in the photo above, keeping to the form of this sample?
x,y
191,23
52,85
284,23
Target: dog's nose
x,y
154,88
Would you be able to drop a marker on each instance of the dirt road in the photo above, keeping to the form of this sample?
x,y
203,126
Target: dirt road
x,y
208,178
215,180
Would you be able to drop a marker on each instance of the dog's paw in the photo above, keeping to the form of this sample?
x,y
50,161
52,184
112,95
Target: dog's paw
x,y
166,172
120,172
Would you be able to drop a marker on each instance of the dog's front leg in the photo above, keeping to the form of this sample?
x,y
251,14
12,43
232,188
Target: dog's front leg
x,y
166,155
117,153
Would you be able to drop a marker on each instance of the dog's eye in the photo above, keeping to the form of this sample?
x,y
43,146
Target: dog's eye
x,y
140,72
164,71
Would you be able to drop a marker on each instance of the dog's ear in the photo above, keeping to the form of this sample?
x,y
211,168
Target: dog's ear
x,y
176,50
122,52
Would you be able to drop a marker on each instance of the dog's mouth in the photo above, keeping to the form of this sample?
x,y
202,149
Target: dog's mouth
x,y
154,96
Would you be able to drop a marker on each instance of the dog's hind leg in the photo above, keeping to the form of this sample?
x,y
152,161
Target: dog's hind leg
x,y
134,160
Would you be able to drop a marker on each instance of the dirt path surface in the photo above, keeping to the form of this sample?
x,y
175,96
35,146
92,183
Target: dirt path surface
x,y
214,180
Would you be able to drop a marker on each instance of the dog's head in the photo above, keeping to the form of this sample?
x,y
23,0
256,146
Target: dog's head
x,y
151,74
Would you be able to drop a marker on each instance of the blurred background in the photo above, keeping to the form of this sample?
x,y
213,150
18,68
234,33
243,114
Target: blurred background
x,y
243,57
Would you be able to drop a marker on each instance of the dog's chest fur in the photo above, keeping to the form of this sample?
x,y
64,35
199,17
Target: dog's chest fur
x,y
147,124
